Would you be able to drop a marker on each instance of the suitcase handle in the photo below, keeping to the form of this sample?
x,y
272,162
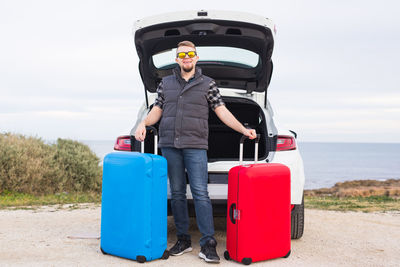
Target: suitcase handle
x,y
244,137
151,128
231,212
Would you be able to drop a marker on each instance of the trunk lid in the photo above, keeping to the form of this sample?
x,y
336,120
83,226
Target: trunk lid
x,y
234,48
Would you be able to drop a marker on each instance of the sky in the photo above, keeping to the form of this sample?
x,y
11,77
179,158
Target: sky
x,y
68,69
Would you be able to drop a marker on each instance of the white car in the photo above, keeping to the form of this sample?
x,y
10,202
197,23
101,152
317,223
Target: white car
x,y
235,50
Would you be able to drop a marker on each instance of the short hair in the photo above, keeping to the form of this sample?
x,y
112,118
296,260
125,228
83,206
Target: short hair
x,y
186,43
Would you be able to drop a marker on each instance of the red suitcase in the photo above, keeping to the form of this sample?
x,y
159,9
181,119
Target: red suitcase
x,y
258,220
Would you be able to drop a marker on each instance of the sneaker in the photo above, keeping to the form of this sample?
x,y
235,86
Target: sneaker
x,y
180,247
208,252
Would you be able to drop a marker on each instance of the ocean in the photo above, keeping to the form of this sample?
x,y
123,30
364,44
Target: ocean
x,y
328,163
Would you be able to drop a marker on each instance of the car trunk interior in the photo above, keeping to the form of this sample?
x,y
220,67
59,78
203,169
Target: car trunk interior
x,y
224,142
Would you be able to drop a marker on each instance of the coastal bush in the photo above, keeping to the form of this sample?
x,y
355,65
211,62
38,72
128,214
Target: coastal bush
x,y
79,167
29,165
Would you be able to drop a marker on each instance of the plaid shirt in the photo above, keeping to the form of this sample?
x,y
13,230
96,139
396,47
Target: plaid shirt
x,y
213,96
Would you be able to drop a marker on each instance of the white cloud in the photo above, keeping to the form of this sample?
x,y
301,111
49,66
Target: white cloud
x,y
389,100
61,115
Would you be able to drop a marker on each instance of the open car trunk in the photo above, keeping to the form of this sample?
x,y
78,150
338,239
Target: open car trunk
x,y
223,142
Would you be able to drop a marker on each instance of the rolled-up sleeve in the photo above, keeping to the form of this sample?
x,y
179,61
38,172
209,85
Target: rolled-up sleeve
x,y
213,96
160,96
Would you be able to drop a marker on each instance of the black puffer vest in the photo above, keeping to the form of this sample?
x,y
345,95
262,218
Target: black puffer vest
x,y
184,122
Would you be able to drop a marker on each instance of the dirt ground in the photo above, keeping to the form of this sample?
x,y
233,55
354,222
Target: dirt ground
x,y
69,237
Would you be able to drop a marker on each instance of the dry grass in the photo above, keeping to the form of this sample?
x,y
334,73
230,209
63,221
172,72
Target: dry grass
x,y
364,204
359,195
360,188
26,201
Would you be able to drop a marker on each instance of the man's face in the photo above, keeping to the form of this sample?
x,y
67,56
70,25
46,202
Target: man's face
x,y
187,64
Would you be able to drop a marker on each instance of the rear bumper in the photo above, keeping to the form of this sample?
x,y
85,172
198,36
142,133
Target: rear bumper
x,y
293,160
215,192
219,207
218,177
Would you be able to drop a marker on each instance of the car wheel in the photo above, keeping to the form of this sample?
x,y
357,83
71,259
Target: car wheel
x,y
297,220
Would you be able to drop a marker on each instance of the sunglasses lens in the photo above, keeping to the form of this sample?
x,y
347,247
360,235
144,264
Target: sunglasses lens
x,y
182,55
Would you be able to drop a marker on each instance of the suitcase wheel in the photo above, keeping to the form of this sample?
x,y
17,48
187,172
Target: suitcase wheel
x,y
247,261
287,255
102,251
226,255
141,259
165,255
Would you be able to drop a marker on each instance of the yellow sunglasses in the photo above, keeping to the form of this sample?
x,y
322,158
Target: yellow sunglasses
x,y
182,55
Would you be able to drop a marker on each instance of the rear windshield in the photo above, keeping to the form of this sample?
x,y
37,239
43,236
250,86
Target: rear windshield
x,y
213,55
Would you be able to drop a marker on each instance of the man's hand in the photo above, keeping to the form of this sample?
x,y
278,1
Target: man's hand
x,y
153,117
250,133
140,133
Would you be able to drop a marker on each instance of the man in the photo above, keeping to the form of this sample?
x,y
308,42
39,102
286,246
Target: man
x,y
182,105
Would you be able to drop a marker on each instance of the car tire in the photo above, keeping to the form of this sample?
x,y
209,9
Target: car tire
x,y
297,220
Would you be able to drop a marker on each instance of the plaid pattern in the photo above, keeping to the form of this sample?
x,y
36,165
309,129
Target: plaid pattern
x,y
160,96
213,96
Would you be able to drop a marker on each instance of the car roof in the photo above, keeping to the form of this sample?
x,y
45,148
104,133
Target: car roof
x,y
208,28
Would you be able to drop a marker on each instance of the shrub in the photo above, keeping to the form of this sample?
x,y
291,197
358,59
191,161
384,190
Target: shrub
x,y
29,165
79,167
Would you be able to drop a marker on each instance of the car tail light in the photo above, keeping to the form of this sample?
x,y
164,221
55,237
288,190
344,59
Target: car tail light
x,y
285,143
123,143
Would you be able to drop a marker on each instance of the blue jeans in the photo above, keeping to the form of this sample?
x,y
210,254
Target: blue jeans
x,y
195,163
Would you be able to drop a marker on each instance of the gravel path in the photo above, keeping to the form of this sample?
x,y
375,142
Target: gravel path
x,y
52,237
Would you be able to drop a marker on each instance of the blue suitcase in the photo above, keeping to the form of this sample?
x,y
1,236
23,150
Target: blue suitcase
x,y
134,206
